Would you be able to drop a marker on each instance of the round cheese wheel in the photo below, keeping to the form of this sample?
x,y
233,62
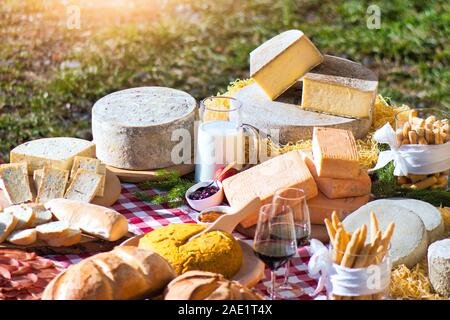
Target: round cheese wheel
x,y
408,243
133,128
439,266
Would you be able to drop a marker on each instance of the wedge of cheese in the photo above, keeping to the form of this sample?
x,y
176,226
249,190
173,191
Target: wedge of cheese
x,y
335,154
14,182
286,170
91,165
409,241
84,186
279,62
338,188
340,87
52,184
321,207
57,153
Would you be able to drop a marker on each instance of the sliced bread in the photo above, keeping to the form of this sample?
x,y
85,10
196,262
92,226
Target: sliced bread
x,y
23,237
42,215
84,186
25,215
14,182
92,165
52,184
71,238
52,230
7,224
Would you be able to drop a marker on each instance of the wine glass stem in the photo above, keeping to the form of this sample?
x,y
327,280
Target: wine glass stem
x,y
272,280
286,274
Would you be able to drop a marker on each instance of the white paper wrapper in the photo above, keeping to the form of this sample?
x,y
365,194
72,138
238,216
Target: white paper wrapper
x,y
412,158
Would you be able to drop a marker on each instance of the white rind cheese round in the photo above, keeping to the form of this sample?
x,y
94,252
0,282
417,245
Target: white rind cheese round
x,y
133,128
431,217
439,266
408,243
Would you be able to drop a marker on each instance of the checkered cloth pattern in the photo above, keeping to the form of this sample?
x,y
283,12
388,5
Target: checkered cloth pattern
x,y
144,217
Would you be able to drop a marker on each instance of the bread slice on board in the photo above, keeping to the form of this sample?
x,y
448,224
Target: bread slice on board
x,y
7,224
42,215
52,230
25,215
71,238
84,186
23,237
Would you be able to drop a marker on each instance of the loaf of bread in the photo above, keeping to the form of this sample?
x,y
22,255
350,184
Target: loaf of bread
x,y
121,274
201,285
96,220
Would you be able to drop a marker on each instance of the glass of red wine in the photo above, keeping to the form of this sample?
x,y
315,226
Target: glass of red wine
x,y
273,250
296,199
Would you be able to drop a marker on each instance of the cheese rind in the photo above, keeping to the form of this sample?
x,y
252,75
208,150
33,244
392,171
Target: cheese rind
x,y
340,87
57,153
409,241
138,128
14,182
84,186
279,62
321,207
338,188
262,180
52,184
335,154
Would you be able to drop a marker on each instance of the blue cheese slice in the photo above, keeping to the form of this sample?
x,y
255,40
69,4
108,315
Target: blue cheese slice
x,y
14,182
84,186
92,165
52,184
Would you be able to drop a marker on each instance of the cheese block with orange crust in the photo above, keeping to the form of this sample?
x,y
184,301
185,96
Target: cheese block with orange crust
x,y
338,188
335,154
321,207
286,170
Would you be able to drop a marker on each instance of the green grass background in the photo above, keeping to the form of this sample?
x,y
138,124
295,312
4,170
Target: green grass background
x,y
50,76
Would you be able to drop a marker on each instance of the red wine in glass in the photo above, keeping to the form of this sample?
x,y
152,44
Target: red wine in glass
x,y
301,233
274,253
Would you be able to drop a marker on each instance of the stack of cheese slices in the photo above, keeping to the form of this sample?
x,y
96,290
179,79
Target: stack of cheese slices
x,y
62,169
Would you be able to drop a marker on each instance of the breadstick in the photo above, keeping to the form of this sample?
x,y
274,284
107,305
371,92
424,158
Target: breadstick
x,y
417,177
350,251
411,115
405,141
373,225
362,238
371,257
330,229
335,219
399,135
412,135
338,247
387,238
420,131
437,136
430,120
406,129
429,135
422,140
424,183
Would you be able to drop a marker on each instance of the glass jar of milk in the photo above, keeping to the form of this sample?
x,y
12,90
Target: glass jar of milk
x,y
220,136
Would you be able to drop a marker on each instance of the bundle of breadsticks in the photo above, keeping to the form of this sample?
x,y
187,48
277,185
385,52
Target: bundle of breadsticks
x,y
352,251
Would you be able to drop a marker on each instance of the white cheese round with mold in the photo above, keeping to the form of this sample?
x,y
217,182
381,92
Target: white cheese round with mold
x,y
439,266
133,128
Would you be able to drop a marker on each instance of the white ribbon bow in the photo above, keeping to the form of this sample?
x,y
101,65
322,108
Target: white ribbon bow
x,y
411,158
320,264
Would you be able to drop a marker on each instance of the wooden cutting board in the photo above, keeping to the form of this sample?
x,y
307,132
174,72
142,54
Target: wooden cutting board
x,y
286,115
135,176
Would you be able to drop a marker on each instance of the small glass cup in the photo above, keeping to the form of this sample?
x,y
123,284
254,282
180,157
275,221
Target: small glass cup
x,y
425,127
369,273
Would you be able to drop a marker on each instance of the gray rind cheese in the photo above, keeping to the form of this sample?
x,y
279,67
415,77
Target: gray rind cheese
x,y
439,266
409,241
133,128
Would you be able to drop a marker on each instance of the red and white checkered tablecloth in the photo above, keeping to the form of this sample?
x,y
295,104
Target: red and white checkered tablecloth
x,y
144,217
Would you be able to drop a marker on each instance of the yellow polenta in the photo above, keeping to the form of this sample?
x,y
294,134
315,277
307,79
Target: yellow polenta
x,y
215,251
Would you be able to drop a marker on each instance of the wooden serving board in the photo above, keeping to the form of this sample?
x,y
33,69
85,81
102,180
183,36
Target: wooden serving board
x,y
252,269
110,196
135,176
286,115
318,232
88,244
